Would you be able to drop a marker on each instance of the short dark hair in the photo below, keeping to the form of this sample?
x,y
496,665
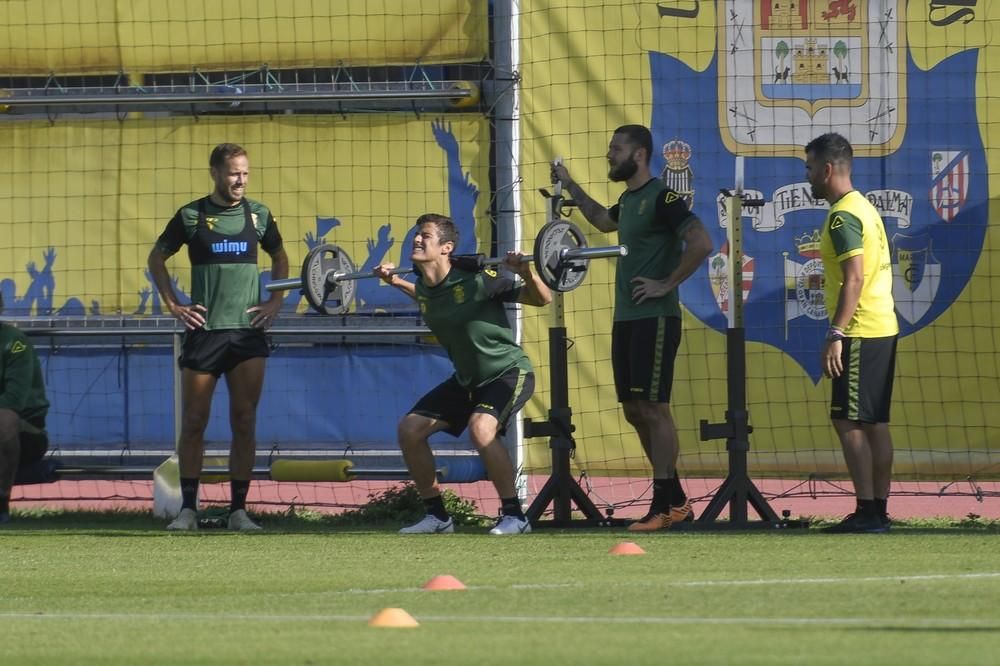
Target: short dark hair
x,y
446,229
638,135
832,148
224,152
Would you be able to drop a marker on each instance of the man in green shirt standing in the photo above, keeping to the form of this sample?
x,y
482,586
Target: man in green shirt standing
x,y
225,321
466,311
666,244
23,407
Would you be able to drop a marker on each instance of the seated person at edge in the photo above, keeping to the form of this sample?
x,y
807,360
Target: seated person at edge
x,y
23,407
493,377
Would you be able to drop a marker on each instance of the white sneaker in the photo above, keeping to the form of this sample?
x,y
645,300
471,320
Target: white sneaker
x,y
511,525
186,521
430,525
240,522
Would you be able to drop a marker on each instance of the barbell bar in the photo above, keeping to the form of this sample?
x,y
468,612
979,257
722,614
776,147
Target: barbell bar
x,y
560,256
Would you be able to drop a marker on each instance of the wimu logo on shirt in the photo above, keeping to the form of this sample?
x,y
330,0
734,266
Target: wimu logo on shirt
x,y
229,247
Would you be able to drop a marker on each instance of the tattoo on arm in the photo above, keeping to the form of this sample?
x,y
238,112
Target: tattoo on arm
x,y
595,213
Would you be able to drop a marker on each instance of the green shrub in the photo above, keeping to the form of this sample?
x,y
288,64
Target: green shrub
x,y
402,504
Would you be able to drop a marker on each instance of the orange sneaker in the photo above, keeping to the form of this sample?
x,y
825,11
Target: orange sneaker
x,y
651,523
682,514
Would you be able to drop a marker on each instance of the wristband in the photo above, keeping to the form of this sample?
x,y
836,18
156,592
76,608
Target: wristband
x,y
834,334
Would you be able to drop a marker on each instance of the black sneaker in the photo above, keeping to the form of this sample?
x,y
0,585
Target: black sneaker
x,y
886,522
857,524
4,517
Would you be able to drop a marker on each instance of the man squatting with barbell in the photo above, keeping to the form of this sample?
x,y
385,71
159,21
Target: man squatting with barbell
x,y
666,243
493,379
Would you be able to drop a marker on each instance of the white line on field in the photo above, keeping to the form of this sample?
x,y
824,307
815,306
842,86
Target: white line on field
x,y
825,580
917,623
699,583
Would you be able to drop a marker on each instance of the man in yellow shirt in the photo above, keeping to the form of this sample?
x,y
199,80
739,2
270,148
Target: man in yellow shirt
x,y
859,353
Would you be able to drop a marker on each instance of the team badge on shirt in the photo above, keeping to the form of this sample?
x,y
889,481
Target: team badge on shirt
x,y
459,293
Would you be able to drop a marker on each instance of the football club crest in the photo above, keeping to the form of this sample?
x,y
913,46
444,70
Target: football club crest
x,y
677,174
949,182
787,66
718,275
916,274
804,281
783,73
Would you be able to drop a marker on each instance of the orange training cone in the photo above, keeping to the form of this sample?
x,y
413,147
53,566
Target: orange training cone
x,y
444,582
393,617
627,548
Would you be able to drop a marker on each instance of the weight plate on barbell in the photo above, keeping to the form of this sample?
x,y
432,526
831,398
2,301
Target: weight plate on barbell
x,y
559,273
325,294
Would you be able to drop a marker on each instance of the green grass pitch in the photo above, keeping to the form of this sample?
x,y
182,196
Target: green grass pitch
x,y
117,589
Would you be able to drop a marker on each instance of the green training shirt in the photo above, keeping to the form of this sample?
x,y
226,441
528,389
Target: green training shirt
x,y
651,224
222,247
21,387
466,313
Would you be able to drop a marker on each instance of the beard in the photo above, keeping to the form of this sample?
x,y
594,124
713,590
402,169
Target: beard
x,y
624,170
818,192
228,195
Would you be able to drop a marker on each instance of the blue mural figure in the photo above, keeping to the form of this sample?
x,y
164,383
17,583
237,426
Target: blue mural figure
x,y
73,307
294,296
42,286
919,158
8,288
39,296
151,292
462,197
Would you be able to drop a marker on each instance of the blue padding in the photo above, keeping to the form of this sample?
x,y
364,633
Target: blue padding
x,y
329,398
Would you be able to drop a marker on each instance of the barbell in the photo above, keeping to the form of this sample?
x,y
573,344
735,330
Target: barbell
x,y
560,256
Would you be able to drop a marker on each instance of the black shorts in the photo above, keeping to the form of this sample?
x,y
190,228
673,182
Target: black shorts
x,y
863,391
455,404
643,352
220,351
33,439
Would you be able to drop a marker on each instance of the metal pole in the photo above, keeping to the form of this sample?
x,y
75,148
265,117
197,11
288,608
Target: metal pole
x,y
17,99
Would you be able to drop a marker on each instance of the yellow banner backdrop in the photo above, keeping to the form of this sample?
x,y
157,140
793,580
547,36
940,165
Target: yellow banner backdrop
x,y
85,201
591,66
39,37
